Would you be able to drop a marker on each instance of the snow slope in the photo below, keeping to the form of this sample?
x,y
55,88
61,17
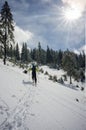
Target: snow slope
x,y
48,106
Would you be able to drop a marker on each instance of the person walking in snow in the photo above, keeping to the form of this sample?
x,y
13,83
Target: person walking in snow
x,y
34,69
34,77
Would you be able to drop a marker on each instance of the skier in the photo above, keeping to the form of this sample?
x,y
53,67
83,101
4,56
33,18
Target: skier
x,y
34,77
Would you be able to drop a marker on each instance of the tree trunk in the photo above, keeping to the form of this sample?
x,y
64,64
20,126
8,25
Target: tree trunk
x,y
5,56
5,49
70,80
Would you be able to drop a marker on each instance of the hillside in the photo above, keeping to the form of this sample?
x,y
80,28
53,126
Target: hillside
x,y
47,106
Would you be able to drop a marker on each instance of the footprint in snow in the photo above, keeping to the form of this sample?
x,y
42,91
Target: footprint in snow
x,y
13,96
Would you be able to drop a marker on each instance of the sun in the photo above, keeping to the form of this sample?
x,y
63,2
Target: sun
x,y
71,14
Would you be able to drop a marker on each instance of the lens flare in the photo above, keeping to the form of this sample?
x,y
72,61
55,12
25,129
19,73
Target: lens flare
x,y
72,14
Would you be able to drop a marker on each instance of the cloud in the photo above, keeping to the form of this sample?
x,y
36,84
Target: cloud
x,y
80,50
79,4
22,35
41,20
46,1
83,48
30,38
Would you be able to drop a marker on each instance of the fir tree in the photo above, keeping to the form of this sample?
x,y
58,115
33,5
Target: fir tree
x,y
11,51
68,63
48,56
43,56
39,53
6,27
22,53
17,54
32,53
59,60
81,60
25,55
26,52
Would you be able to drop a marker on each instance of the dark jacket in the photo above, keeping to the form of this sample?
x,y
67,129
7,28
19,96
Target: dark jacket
x,y
34,73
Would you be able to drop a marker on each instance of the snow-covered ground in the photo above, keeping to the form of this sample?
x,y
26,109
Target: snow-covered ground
x,y
47,106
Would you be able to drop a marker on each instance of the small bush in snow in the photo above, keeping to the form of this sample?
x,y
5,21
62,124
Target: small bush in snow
x,y
55,78
25,71
22,66
65,77
46,73
77,86
77,99
7,64
60,81
50,77
41,70
82,88
13,65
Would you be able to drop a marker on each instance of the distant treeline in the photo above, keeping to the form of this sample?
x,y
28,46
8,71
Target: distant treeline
x,y
73,63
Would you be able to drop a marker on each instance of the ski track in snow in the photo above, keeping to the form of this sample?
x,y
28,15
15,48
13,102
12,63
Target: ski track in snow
x,y
16,118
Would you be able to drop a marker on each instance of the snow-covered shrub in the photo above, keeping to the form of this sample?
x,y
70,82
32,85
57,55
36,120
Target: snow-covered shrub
x,y
65,77
60,81
77,86
7,64
46,73
82,88
25,71
50,77
41,70
22,66
76,75
55,78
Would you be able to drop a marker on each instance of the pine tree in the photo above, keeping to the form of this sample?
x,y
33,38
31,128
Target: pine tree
x,y
82,60
26,52
39,53
33,54
22,53
0,34
11,51
17,54
6,27
48,56
8,51
25,55
68,63
60,55
1,40
43,56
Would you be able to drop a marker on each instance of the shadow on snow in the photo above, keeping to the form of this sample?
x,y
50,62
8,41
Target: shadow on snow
x,y
27,82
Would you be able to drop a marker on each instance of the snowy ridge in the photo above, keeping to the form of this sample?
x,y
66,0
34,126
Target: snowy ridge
x,y
47,106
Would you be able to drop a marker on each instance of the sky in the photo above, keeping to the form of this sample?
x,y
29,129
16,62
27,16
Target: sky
x,y
45,21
